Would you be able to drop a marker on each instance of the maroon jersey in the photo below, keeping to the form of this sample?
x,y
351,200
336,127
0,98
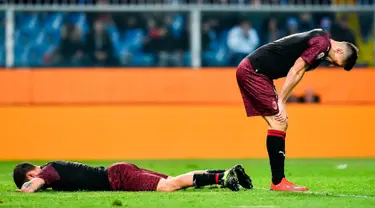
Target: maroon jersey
x,y
70,176
276,58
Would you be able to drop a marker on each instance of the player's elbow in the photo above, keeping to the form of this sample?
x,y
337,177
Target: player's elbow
x,y
298,72
299,67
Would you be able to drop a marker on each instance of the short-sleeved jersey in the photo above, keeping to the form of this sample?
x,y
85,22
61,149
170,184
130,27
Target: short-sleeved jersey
x,y
70,176
276,58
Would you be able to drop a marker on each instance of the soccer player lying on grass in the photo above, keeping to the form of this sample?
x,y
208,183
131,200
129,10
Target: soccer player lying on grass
x,y
288,57
71,176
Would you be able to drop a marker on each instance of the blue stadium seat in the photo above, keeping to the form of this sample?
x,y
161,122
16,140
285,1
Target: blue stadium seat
x,y
214,44
217,58
187,59
27,22
178,25
115,36
80,20
52,38
2,55
24,37
53,22
2,28
35,55
218,50
113,33
20,57
47,38
223,37
132,41
40,38
2,36
141,59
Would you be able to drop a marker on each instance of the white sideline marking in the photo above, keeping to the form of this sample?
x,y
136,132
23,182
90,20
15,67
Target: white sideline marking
x,y
342,166
328,194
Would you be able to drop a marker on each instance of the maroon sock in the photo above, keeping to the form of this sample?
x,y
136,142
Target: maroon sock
x,y
276,154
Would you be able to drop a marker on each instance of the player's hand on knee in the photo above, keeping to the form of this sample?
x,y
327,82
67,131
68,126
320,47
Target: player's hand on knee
x,y
282,116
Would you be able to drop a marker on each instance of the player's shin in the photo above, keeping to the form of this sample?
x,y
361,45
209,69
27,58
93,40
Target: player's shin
x,y
207,179
276,154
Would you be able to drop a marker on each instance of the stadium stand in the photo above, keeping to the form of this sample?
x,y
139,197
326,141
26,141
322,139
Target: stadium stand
x,y
47,39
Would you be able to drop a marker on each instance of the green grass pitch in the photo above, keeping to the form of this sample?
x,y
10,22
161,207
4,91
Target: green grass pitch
x,y
330,185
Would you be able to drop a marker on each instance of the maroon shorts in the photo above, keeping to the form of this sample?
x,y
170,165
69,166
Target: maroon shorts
x,y
128,177
258,91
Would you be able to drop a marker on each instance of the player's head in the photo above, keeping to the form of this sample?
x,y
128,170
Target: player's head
x,y
343,54
24,172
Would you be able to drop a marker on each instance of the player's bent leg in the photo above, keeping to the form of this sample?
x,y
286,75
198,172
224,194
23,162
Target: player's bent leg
x,y
276,153
179,182
192,172
201,172
227,179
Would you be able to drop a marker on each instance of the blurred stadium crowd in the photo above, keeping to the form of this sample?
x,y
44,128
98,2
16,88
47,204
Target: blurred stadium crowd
x,y
76,39
154,39
232,2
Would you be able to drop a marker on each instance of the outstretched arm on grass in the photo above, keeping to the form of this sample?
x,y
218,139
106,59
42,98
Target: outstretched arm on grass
x,y
32,185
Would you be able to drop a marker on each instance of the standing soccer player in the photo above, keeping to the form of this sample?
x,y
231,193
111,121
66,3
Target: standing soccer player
x,y
288,57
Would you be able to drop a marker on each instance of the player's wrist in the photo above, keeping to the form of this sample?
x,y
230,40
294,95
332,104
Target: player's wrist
x,y
282,101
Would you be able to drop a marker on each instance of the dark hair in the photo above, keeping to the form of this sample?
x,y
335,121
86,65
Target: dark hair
x,y
352,56
20,171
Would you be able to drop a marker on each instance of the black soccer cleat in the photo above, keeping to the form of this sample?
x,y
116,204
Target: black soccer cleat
x,y
230,180
243,179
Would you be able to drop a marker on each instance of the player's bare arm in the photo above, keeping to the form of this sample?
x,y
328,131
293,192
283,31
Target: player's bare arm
x,y
32,185
292,79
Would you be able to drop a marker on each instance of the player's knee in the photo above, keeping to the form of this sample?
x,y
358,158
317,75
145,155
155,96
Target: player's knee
x,y
172,186
278,125
168,185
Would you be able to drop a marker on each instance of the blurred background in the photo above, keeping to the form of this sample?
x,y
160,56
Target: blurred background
x,y
162,72
159,33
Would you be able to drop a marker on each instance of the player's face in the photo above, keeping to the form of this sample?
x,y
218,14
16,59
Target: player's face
x,y
338,59
334,63
32,174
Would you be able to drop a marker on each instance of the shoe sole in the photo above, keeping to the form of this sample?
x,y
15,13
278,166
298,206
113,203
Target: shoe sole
x,y
289,191
239,170
233,185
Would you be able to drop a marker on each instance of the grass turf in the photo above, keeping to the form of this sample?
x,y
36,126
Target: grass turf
x,y
330,187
